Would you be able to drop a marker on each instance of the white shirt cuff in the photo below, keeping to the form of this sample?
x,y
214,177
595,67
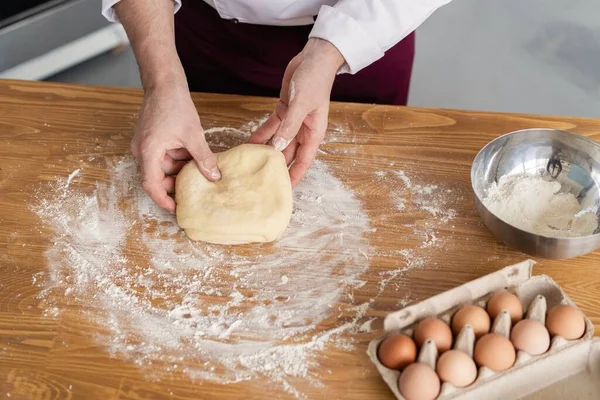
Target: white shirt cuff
x,y
109,12
358,47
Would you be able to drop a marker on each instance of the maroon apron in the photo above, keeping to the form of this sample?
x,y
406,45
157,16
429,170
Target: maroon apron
x,y
224,56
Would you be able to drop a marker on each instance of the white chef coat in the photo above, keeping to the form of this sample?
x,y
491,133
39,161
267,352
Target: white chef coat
x,y
362,30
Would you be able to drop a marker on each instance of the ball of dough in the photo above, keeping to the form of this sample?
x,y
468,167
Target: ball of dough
x,y
252,202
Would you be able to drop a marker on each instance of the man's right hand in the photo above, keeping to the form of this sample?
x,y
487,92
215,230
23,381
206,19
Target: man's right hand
x,y
168,135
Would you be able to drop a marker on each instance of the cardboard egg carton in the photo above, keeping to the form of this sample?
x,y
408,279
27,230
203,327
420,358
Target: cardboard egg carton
x,y
569,369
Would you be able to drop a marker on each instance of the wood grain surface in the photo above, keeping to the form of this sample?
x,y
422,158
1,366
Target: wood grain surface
x,y
49,130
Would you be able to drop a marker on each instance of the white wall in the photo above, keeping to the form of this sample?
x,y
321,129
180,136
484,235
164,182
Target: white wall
x,y
530,56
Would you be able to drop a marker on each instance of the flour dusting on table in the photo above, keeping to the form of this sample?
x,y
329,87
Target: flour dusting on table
x,y
218,313
432,207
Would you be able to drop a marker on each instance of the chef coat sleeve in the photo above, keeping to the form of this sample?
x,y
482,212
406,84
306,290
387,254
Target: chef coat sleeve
x,y
109,12
363,30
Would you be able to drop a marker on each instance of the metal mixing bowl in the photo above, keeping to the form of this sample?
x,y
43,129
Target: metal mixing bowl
x,y
573,160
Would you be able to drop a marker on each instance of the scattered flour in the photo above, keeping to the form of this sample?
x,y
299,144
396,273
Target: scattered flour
x,y
405,179
431,239
71,176
366,326
430,200
252,126
536,205
336,137
390,275
217,313
224,314
399,202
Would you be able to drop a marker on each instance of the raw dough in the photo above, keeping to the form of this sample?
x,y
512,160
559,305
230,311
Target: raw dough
x,y
252,202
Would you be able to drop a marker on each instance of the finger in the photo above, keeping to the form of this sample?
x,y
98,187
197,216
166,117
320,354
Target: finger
x,y
168,184
172,167
305,156
204,157
292,114
286,95
134,147
289,126
179,154
152,177
269,128
266,130
290,152
287,85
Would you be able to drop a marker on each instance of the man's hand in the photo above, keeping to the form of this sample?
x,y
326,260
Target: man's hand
x,y
168,135
298,124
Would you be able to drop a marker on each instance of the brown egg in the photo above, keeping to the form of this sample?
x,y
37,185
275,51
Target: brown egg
x,y
565,321
457,368
505,301
397,351
436,330
495,352
530,336
474,316
419,381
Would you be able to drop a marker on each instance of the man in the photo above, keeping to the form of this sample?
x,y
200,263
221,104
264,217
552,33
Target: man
x,y
304,51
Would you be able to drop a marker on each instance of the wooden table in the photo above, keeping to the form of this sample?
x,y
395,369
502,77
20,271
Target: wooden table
x,y
46,130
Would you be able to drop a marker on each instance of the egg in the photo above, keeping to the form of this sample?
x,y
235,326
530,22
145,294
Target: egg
x,y
495,352
457,368
505,301
475,316
436,330
530,336
419,381
397,351
565,321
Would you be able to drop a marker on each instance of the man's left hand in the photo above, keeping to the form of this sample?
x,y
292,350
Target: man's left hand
x,y
298,124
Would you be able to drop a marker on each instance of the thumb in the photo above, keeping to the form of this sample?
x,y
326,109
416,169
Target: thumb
x,y
289,127
204,157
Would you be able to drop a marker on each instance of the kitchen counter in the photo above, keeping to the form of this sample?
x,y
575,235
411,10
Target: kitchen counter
x,y
49,345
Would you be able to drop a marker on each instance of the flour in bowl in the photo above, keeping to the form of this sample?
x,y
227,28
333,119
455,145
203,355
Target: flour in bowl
x,y
535,205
